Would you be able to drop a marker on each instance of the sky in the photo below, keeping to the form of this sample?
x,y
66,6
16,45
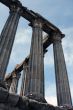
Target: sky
x,y
60,13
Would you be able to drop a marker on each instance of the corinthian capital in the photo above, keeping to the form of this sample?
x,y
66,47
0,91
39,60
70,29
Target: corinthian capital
x,y
56,37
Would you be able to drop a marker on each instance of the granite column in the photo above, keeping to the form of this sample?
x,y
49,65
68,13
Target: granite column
x,y
62,82
36,70
7,39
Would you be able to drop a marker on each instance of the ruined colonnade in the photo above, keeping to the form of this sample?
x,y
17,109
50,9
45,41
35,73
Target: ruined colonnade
x,y
34,80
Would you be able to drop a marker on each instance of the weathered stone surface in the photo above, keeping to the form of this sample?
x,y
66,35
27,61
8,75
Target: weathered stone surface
x,y
3,95
2,84
13,99
14,102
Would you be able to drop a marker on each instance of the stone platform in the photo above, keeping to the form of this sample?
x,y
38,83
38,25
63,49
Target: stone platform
x,y
14,102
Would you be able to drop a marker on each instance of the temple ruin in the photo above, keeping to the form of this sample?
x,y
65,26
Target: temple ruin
x,y
32,93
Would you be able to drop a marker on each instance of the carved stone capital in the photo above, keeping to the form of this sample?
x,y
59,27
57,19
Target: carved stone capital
x,y
14,9
56,37
37,23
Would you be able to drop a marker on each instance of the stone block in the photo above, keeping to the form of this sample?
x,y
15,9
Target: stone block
x,y
13,99
3,95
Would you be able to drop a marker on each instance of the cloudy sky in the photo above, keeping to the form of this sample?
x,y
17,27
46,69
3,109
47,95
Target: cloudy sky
x,y
60,13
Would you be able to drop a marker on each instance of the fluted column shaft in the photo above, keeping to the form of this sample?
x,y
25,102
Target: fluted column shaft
x,y
26,78
7,39
62,82
22,83
36,86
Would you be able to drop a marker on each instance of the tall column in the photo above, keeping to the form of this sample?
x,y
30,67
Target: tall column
x,y
62,82
36,71
7,39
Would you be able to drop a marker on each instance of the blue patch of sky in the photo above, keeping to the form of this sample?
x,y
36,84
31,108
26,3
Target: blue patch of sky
x,y
57,11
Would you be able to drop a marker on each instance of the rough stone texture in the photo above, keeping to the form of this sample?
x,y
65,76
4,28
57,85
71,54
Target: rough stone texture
x,y
14,102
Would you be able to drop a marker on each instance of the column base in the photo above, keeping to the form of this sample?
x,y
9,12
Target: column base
x,y
36,97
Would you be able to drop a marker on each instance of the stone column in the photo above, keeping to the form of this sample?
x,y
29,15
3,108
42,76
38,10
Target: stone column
x,y
7,39
22,83
14,84
36,74
62,82
26,78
